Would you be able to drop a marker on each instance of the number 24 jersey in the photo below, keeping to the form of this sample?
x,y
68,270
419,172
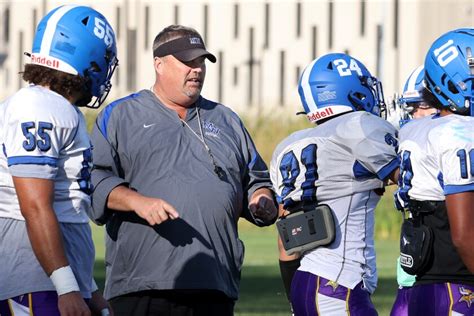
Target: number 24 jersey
x,y
348,154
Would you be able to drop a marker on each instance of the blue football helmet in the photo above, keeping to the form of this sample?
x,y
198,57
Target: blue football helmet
x,y
78,40
449,70
337,83
412,94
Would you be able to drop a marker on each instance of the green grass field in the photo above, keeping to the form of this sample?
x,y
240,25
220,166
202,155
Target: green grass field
x,y
261,291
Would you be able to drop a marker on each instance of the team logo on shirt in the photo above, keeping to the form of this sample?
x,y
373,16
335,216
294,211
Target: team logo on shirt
x,y
467,296
211,129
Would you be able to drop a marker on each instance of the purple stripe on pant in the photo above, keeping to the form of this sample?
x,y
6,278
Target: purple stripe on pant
x,y
441,299
43,304
303,296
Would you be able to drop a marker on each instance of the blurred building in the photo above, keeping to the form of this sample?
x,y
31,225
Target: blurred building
x,y
261,46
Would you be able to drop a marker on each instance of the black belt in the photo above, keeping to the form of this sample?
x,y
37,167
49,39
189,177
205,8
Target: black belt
x,y
302,206
424,206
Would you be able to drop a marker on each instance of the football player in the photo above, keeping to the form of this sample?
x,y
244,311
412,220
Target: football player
x,y
437,184
415,102
46,248
341,163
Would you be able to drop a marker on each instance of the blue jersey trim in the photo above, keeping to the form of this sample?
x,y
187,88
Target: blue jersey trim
x,y
108,111
360,172
453,189
4,150
440,180
32,160
386,170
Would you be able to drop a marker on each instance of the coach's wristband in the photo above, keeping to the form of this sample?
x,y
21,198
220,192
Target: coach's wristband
x,y
64,280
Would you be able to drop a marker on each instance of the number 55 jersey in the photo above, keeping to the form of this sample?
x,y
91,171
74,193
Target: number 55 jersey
x,y
43,136
340,163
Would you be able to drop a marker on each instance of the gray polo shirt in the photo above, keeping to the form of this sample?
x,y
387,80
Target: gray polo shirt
x,y
140,143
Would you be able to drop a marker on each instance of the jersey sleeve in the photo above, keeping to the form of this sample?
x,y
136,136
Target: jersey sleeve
x,y
376,149
453,145
35,136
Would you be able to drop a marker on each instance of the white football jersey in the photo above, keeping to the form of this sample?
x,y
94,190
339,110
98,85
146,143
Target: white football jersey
x,y
348,154
437,158
339,163
44,136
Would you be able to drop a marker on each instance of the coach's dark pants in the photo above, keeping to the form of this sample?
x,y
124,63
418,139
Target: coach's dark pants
x,y
173,303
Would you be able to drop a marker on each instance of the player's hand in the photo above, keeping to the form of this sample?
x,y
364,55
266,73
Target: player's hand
x,y
98,303
263,206
154,211
394,112
72,304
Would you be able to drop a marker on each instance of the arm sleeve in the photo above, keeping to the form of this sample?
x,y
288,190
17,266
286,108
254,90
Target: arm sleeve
x,y
377,149
255,177
106,173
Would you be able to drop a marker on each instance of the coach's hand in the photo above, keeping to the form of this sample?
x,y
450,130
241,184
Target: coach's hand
x,y
72,304
154,211
263,208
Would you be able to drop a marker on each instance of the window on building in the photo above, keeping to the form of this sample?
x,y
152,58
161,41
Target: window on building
x,y
6,25
282,78
298,19
21,49
297,73
330,23
132,59
35,20
235,76
236,20
251,64
362,17
206,24
314,41
147,27
117,76
117,25
378,53
176,14
395,23
220,77
266,43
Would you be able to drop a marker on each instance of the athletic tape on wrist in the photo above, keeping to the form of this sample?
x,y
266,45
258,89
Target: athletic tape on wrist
x,y
64,280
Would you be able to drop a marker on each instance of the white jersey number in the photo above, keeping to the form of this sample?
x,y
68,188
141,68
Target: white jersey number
x,y
103,31
446,53
342,67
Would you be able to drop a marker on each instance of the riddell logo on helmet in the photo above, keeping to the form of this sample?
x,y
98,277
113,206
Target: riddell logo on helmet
x,y
38,60
320,114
